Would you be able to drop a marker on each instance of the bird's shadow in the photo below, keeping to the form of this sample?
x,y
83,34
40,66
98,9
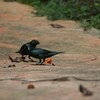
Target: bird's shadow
x,y
43,64
39,64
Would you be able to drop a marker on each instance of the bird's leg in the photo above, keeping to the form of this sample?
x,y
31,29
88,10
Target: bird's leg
x,y
23,57
42,62
31,58
39,62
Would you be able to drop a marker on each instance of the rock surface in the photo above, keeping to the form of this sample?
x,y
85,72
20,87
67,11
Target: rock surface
x,y
80,64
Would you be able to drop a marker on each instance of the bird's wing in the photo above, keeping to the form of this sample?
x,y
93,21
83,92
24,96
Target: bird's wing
x,y
22,48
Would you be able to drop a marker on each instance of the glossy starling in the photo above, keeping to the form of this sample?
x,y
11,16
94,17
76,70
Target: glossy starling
x,y
42,54
25,48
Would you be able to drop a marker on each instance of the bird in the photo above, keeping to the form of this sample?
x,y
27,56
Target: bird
x,y
85,91
25,48
42,54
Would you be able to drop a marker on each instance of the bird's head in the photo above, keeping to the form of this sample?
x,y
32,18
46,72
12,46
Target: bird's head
x,y
34,42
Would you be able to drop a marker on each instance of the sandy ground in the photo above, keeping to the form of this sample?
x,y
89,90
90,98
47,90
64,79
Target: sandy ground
x,y
80,64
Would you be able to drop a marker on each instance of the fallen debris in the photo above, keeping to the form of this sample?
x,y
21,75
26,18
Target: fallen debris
x,y
9,66
57,26
12,66
30,86
85,91
17,59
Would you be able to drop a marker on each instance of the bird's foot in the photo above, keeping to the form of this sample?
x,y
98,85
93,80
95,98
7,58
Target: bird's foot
x,y
40,64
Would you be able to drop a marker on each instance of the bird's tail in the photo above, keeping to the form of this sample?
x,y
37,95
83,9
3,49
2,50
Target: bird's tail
x,y
59,52
54,53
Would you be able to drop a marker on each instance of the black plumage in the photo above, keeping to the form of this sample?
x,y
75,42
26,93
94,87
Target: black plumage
x,y
25,48
42,54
